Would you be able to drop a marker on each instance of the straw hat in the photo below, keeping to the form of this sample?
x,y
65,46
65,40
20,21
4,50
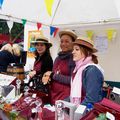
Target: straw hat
x,y
42,39
84,41
68,32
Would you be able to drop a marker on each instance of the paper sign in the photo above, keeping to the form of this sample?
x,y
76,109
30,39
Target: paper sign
x,y
101,44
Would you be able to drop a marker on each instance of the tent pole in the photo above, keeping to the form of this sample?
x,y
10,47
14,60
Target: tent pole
x,y
55,11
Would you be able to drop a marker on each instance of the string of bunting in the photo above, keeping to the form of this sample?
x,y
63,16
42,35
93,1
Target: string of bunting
x,y
49,4
110,33
53,30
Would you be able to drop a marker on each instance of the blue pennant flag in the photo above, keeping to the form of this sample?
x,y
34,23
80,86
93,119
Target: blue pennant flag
x,y
52,30
1,2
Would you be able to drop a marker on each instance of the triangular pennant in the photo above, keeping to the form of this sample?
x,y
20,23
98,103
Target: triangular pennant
x,y
49,4
10,25
1,3
52,29
110,34
24,21
89,34
55,32
39,25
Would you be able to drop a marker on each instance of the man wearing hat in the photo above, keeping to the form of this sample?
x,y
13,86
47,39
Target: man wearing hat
x,y
62,68
87,78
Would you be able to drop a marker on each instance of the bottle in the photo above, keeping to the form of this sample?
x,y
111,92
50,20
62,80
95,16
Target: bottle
x,y
59,106
18,85
89,107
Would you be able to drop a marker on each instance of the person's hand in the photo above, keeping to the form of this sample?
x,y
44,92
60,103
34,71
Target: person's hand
x,y
46,77
32,73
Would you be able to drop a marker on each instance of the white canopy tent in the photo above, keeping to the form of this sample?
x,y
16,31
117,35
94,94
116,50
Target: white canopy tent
x,y
71,13
64,12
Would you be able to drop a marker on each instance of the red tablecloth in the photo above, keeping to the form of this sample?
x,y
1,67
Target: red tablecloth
x,y
25,105
47,114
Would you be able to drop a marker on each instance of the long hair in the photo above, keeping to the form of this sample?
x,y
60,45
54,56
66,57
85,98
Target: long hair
x,y
88,52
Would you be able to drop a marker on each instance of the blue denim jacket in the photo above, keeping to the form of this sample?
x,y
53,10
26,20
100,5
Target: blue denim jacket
x,y
92,85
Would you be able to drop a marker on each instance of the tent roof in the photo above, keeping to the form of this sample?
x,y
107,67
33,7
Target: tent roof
x,y
64,12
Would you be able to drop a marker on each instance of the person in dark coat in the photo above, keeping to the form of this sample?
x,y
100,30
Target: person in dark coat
x,y
43,63
43,60
9,54
61,74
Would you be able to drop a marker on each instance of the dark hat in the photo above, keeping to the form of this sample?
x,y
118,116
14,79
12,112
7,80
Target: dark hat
x,y
68,32
42,39
84,41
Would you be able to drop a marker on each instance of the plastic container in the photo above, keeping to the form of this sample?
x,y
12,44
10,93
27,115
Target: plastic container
x,y
89,107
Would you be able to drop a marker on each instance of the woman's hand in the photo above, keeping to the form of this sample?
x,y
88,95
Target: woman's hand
x,y
32,73
46,77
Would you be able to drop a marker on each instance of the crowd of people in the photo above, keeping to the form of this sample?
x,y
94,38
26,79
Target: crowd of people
x,y
74,76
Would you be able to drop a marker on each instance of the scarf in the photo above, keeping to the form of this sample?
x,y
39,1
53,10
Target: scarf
x,y
76,83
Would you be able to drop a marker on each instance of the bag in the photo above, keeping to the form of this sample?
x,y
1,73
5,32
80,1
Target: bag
x,y
36,84
104,106
24,105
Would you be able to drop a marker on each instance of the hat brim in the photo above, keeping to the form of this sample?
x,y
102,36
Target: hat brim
x,y
67,33
35,42
94,50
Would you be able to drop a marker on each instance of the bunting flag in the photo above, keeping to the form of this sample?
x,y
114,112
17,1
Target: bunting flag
x,y
111,33
49,4
55,32
39,25
52,30
1,3
10,25
24,21
89,34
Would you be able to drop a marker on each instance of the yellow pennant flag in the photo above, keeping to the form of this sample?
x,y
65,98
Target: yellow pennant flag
x,y
49,4
111,33
89,34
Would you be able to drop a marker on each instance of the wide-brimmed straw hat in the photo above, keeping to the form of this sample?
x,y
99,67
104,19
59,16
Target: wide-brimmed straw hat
x,y
68,32
84,41
41,39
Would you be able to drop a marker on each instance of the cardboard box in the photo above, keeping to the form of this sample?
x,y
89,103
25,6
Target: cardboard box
x,y
6,79
8,92
79,112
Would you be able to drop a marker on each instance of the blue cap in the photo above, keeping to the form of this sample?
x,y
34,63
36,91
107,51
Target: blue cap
x,y
89,105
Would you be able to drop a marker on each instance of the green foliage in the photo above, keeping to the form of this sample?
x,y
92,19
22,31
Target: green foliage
x,y
101,116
